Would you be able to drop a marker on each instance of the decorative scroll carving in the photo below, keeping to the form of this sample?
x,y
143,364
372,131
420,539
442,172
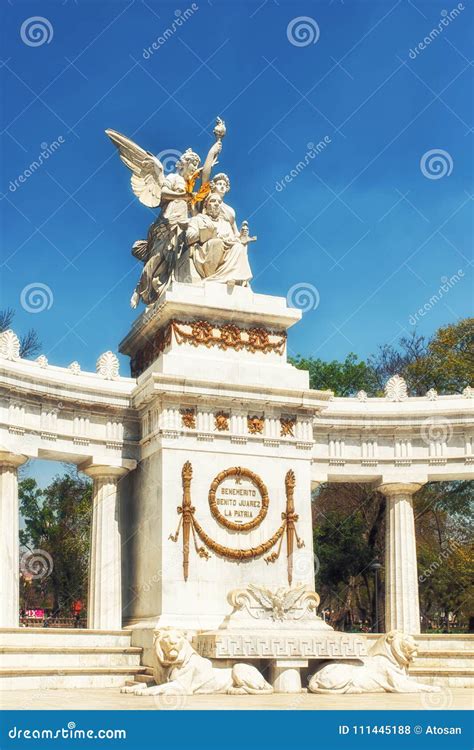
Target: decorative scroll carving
x,y
228,336
287,426
107,366
189,523
221,421
278,605
255,425
396,389
75,368
238,472
188,418
9,345
204,333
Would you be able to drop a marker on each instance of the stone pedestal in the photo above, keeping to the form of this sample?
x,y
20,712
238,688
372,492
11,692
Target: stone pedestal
x,y
9,540
402,609
104,611
285,676
225,421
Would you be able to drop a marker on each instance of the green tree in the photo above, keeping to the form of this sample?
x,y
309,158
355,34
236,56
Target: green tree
x,y
57,521
344,378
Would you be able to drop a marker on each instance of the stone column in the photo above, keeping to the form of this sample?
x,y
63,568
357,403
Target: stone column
x,y
104,611
9,540
402,608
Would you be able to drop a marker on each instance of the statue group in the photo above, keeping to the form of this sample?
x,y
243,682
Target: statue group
x,y
195,236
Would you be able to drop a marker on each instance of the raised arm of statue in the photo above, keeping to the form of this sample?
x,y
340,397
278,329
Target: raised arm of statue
x,y
210,161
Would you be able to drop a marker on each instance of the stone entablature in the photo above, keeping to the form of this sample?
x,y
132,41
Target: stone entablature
x,y
420,438
46,409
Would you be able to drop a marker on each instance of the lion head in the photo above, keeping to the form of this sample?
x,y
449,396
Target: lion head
x,y
171,647
397,646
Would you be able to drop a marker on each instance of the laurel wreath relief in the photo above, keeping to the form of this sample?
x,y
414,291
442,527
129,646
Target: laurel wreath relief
x,y
190,525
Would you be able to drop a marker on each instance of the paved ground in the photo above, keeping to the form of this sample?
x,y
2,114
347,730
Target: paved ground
x,y
111,698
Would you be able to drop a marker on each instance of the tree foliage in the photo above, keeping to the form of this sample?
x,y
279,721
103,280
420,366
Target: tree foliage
x,y
57,520
445,362
29,342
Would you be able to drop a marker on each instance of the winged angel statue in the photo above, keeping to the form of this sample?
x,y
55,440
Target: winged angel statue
x,y
189,222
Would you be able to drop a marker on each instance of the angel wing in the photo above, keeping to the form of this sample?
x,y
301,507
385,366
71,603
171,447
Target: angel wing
x,y
148,177
263,596
291,596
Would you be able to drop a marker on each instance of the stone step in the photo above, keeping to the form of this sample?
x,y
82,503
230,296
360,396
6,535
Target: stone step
x,y
438,641
77,656
448,659
59,637
444,676
66,677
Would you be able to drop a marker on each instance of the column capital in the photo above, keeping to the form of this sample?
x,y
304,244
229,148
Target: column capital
x,y
11,459
107,471
392,489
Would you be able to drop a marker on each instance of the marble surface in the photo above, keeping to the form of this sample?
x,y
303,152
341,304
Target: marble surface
x,y
112,699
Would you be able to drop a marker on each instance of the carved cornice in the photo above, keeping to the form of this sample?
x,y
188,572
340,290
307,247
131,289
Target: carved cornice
x,y
204,333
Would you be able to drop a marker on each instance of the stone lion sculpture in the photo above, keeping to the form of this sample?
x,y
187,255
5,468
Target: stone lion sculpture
x,y
385,669
180,670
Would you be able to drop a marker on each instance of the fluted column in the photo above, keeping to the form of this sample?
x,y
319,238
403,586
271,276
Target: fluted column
x,y
402,608
9,540
104,611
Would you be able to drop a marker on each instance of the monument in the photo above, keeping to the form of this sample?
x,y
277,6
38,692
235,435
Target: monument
x,y
203,462
218,541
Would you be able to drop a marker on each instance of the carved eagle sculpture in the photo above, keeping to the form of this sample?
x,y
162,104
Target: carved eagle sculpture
x,y
279,602
147,170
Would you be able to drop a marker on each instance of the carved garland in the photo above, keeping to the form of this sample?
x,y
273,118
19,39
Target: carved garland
x,y
238,472
203,333
189,523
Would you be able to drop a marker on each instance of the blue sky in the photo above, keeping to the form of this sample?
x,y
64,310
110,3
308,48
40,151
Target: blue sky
x,y
361,223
